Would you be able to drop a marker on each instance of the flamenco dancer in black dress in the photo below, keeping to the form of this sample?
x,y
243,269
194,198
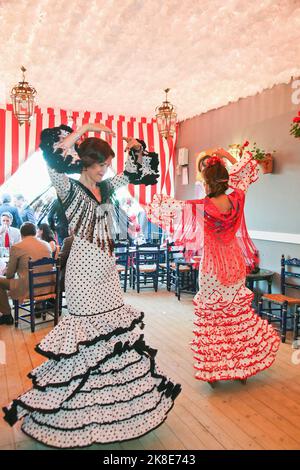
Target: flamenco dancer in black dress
x,y
100,383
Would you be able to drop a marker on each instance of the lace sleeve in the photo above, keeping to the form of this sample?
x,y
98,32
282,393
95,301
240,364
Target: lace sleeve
x,y
145,172
183,221
243,173
163,211
59,164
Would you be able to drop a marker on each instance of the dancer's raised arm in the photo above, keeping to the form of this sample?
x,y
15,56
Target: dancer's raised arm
x,y
141,166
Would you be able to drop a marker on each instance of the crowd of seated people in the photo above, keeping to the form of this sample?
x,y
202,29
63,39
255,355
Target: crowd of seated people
x,y
22,236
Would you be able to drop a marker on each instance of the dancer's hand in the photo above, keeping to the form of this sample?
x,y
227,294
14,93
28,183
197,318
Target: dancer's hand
x,y
98,127
132,143
222,153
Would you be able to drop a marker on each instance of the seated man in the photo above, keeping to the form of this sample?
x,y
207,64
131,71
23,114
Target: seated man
x,y
29,247
8,234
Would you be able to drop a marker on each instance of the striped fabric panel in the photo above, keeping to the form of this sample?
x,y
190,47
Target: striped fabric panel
x,y
17,143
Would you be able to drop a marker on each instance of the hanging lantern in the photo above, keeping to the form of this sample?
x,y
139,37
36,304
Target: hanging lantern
x,y
166,118
23,97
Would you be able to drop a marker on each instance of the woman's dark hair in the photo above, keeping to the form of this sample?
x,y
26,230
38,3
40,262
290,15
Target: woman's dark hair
x,y
28,229
47,234
202,162
217,177
93,150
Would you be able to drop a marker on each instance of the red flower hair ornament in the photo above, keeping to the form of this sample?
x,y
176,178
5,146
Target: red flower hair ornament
x,y
213,160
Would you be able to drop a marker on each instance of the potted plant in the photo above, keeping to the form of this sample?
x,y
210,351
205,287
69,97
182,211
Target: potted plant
x,y
295,126
265,159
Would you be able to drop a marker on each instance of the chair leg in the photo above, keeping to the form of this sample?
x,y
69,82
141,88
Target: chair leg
x,y
16,312
284,320
177,286
32,318
44,314
56,309
296,325
155,281
260,307
168,281
125,280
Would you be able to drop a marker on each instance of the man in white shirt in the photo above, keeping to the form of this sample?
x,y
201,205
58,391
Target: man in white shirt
x,y
8,235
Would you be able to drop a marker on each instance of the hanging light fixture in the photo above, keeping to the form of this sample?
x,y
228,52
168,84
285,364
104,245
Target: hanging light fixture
x,y
166,118
23,98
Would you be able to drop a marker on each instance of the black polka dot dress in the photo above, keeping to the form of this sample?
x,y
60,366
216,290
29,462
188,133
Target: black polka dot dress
x,y
101,383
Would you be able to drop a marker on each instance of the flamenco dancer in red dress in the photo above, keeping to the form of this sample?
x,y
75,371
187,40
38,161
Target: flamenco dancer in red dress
x,y
230,340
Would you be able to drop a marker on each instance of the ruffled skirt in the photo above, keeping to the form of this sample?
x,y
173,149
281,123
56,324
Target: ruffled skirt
x,y
231,341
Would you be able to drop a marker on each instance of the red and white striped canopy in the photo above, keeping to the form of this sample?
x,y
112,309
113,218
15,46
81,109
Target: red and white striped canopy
x,y
17,143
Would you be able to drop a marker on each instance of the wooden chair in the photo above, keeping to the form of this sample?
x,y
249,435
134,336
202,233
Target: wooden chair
x,y
145,265
121,251
168,266
282,313
185,278
37,270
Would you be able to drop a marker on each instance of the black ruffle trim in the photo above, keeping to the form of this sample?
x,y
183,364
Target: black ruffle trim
x,y
55,159
102,443
138,178
119,349
18,402
167,387
117,402
107,337
108,423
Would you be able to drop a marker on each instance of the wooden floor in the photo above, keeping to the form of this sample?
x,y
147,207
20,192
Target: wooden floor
x,y
264,414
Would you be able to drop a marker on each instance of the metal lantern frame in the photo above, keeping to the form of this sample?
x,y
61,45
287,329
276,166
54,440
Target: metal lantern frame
x,y
166,118
23,100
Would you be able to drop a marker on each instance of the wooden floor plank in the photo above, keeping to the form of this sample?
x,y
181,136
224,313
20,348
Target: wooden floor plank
x,y
264,414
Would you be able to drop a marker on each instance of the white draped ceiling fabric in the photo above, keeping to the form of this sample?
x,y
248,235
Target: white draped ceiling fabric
x,y
19,142
119,55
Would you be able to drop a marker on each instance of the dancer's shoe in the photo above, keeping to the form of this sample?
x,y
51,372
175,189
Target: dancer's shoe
x,y
213,384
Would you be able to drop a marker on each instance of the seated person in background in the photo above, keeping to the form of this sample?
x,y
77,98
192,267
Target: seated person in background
x,y
25,211
29,247
7,207
8,235
57,221
45,233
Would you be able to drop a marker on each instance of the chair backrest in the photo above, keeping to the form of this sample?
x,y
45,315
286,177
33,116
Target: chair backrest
x,y
290,271
148,253
174,252
44,277
121,250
